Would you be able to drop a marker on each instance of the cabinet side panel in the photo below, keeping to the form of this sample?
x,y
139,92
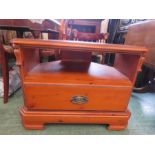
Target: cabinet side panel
x,y
31,58
26,59
128,65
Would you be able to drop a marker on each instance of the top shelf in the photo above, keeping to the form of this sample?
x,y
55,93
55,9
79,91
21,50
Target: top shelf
x,y
78,46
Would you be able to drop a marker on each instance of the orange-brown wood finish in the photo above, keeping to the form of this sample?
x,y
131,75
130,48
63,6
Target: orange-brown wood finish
x,y
76,90
37,119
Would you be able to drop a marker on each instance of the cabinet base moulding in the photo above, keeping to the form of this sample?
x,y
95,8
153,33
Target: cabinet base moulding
x,y
37,119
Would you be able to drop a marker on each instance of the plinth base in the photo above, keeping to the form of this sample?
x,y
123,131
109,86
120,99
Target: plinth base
x,y
37,119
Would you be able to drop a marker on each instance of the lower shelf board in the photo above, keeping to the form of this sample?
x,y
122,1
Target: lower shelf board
x,y
35,120
58,72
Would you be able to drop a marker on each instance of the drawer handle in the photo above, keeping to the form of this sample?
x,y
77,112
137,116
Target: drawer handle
x,y
79,99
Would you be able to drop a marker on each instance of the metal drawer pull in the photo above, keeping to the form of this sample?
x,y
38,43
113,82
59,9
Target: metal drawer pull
x,y
79,99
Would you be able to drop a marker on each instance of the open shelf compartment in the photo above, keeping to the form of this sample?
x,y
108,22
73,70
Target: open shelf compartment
x,y
59,72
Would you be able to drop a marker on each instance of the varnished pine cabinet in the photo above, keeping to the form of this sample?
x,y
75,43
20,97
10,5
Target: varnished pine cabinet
x,y
76,90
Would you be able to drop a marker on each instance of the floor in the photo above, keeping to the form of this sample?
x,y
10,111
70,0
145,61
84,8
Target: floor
x,y
142,120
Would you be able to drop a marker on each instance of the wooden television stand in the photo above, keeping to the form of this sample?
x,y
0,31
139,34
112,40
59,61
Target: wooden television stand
x,y
74,89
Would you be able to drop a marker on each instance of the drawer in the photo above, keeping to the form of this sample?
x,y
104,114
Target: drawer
x,y
76,97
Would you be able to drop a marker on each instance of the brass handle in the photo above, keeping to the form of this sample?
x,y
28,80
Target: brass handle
x,y
79,99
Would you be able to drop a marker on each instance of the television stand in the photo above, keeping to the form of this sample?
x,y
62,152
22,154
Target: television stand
x,y
76,90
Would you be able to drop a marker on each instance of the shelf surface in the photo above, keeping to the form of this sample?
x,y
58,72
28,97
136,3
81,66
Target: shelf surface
x,y
76,73
78,46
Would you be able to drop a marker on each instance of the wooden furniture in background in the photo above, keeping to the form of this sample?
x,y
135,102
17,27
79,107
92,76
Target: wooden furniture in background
x,y
33,25
20,26
88,29
82,30
143,34
76,90
6,52
5,72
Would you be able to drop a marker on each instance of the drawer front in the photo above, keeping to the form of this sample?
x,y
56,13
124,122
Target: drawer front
x,y
51,97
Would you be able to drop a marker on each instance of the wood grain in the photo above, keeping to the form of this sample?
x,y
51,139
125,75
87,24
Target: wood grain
x,y
78,46
102,92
